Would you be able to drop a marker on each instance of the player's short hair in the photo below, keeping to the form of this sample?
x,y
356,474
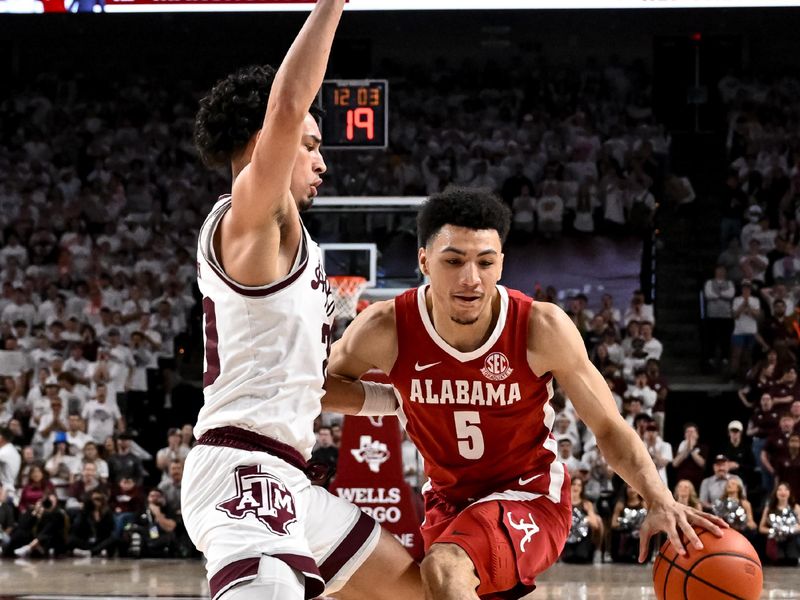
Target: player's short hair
x,y
232,112
473,208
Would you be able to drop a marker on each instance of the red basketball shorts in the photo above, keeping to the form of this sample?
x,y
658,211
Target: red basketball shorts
x,y
510,542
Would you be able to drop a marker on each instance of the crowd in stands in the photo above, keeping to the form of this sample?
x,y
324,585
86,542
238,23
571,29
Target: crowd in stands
x,y
751,321
101,199
567,149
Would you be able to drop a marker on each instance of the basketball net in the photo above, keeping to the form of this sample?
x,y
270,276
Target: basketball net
x,y
346,290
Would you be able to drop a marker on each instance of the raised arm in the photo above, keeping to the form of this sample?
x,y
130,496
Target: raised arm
x,y
369,342
554,345
261,232
263,191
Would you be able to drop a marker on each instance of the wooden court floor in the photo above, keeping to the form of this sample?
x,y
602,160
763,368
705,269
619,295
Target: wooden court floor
x,y
73,579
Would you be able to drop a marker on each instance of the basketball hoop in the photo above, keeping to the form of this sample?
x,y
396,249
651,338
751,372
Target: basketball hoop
x,y
346,291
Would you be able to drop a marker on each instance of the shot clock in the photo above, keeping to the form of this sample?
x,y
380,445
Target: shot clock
x,y
356,113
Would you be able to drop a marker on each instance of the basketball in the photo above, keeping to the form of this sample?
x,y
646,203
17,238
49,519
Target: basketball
x,y
727,567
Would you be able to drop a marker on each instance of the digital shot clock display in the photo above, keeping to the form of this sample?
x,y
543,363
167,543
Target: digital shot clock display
x,y
356,113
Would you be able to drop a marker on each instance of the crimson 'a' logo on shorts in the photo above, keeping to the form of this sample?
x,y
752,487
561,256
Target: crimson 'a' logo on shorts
x,y
496,367
262,495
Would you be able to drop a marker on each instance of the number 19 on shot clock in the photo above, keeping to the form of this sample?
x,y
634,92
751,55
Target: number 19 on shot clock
x,y
356,113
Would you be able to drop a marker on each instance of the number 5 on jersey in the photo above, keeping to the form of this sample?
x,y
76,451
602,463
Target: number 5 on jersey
x,y
468,432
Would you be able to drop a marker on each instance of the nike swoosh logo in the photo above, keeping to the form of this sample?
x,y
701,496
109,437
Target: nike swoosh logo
x,y
527,481
420,367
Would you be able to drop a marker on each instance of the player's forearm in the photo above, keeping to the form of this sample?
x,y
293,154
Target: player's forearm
x,y
342,396
628,456
364,398
300,75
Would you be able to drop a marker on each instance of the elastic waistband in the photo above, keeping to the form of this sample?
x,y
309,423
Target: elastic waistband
x,y
242,439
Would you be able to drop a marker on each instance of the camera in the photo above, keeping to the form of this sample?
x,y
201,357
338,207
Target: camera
x,y
47,504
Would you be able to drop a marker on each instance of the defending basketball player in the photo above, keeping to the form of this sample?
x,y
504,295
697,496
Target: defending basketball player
x,y
266,532
473,364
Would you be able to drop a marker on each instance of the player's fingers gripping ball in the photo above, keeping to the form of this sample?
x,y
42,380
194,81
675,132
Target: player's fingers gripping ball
x,y
726,567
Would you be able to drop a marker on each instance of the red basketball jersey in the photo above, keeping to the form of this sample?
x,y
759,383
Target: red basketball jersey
x,y
480,419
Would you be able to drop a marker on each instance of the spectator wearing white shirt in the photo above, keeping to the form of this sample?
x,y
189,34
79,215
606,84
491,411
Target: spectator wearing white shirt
x,y
611,313
565,455
659,450
73,393
10,461
102,418
614,199
72,330
642,390
638,310
564,426
77,438
585,204
652,346
122,357
111,297
135,306
77,364
173,452
550,211
104,323
754,262
753,214
25,341
718,323
13,360
13,247
54,304
523,207
168,327
180,302
20,309
42,353
53,420
635,361
746,313
141,404
92,455
633,412
787,268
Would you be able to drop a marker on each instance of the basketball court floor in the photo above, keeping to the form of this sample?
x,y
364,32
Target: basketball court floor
x,y
73,579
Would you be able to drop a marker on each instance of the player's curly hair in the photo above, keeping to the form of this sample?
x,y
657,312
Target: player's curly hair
x,y
474,208
232,112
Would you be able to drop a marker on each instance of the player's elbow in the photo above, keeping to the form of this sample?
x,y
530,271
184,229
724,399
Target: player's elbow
x,y
285,109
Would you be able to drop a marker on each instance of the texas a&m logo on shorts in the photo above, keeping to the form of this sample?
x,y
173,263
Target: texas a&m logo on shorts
x,y
496,367
262,495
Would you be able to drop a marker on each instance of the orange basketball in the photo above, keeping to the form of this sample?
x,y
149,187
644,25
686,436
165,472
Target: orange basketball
x,y
727,567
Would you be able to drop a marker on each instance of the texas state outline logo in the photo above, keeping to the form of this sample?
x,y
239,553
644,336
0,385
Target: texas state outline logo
x,y
262,495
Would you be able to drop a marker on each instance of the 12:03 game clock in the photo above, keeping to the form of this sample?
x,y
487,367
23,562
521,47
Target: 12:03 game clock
x,y
356,113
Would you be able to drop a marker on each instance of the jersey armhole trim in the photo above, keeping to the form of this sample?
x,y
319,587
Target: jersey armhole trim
x,y
301,262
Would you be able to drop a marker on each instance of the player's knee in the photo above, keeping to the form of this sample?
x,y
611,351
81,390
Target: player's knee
x,y
446,558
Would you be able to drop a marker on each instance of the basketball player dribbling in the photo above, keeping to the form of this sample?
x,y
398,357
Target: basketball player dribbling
x,y
247,502
473,365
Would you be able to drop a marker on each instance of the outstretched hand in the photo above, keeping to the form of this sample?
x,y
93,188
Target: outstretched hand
x,y
672,517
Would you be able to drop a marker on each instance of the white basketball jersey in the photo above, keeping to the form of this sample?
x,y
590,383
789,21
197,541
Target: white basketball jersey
x,y
266,347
